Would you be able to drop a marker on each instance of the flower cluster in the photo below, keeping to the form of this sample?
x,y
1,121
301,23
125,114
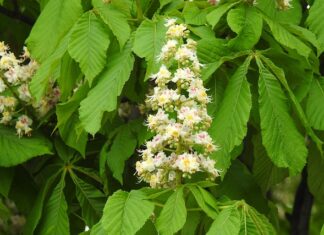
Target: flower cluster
x,y
181,145
15,97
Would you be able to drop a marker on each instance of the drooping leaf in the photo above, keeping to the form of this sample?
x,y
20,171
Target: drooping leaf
x,y
227,222
49,70
284,144
15,150
246,22
173,215
88,44
68,122
115,19
125,213
214,16
315,104
36,212
54,22
193,15
284,37
90,199
56,221
315,21
106,92
123,146
315,179
229,125
265,172
6,176
149,40
201,201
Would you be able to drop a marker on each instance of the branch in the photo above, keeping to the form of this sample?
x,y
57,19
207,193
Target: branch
x,y
16,15
299,220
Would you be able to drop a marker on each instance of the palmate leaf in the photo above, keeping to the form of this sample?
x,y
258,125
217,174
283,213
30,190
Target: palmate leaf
x,y
229,125
90,199
149,39
241,219
56,221
173,215
88,44
125,213
315,103
284,144
315,21
53,23
106,92
115,19
15,150
246,22
193,15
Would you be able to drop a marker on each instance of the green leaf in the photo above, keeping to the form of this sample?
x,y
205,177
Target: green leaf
x,y
315,104
192,223
292,15
15,150
253,222
149,39
284,37
228,222
284,144
315,177
200,199
69,75
55,220
279,73
52,24
125,213
106,92
123,146
193,15
88,44
229,125
265,172
90,199
115,19
49,70
68,122
246,22
315,21
173,215
214,16
35,214
210,53
6,176
98,229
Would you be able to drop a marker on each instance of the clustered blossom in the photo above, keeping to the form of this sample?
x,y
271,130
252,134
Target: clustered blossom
x,y
15,97
181,146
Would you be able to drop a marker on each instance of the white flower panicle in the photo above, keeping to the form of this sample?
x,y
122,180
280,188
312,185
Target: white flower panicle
x,y
15,76
181,146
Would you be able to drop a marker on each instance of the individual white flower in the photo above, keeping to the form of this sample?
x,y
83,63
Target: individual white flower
x,y
12,75
10,102
3,48
187,163
2,85
23,125
24,93
8,61
170,22
6,118
177,31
